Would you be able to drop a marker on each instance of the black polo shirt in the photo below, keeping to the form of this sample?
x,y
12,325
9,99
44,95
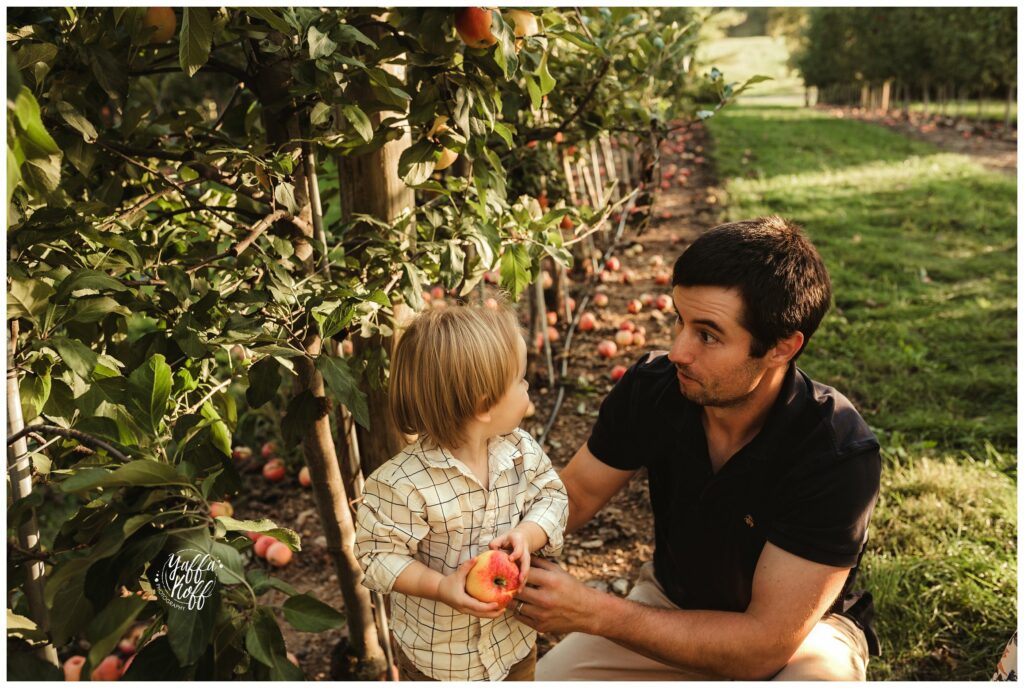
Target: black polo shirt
x,y
807,482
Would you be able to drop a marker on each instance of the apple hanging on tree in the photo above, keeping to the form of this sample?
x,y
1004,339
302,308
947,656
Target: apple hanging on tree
x,y
473,25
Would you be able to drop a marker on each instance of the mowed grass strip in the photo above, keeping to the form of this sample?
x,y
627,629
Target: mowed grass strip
x,y
921,246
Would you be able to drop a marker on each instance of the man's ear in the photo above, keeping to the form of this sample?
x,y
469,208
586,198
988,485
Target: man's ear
x,y
785,349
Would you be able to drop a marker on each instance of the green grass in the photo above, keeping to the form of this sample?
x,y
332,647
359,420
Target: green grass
x,y
741,58
921,246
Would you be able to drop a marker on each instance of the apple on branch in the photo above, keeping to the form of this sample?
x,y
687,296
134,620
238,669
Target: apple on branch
x,y
493,578
473,25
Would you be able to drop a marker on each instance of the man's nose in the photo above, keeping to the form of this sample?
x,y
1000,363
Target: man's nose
x,y
681,352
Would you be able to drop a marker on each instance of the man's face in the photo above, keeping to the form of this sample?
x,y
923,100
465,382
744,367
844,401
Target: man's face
x,y
711,349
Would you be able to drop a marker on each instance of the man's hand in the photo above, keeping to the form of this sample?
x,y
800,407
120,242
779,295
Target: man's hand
x,y
519,543
452,591
555,602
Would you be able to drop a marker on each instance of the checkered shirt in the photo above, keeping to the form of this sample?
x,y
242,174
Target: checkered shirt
x,y
425,504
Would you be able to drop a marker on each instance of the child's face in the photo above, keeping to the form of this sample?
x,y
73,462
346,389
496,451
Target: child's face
x,y
510,409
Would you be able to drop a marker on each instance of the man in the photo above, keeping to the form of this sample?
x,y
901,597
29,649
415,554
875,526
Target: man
x,y
762,483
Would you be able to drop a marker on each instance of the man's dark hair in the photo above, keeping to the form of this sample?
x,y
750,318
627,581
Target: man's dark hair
x,y
778,272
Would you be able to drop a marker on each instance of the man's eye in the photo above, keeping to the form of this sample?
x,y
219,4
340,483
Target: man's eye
x,y
708,338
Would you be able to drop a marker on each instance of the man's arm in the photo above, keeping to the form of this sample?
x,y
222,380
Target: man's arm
x,y
789,596
590,483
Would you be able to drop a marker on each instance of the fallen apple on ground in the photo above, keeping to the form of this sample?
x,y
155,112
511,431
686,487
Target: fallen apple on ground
x,y
607,348
304,478
623,338
600,300
268,450
493,578
634,306
241,453
613,264
663,302
587,322
617,372
628,326
273,470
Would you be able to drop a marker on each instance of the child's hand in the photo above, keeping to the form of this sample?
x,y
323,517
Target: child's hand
x,y
452,591
517,541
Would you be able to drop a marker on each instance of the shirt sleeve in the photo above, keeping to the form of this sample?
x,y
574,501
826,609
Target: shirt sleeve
x,y
612,439
826,514
547,502
390,524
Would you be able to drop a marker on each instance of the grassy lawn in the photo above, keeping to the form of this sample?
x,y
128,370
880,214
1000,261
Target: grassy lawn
x,y
922,248
990,109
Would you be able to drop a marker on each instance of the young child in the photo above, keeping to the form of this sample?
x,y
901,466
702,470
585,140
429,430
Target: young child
x,y
473,481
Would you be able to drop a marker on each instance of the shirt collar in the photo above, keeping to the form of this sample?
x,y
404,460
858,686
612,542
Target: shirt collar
x,y
501,454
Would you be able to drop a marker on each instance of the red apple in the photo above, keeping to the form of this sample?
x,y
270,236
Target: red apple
x,y
473,25
273,470
663,302
662,278
278,554
108,670
627,326
600,300
304,478
571,302
617,372
553,334
126,646
657,260
241,453
552,317
634,306
73,668
587,322
609,276
559,137
665,186
542,201
268,450
437,293
491,277
628,277
493,578
221,509
613,264
426,297
646,299
546,280
623,338
639,339
607,348
263,544
347,348
253,535
566,222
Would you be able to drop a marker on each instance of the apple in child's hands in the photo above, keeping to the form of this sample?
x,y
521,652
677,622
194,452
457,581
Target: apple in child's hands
x,y
73,668
493,578
108,670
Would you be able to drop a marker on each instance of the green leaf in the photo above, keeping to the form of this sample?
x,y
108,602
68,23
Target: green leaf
x,y
86,279
271,17
284,194
140,473
28,298
307,614
77,120
150,385
265,643
261,581
34,390
266,527
359,121
320,44
342,383
190,630
94,308
42,156
504,132
32,53
110,624
416,163
346,33
155,662
29,117
515,269
76,356
547,82
25,628
13,176
195,39
25,665
264,381
534,90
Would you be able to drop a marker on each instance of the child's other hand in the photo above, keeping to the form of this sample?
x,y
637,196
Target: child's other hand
x,y
516,541
452,591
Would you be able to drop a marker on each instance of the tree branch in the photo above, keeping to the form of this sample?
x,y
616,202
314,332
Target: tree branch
x,y
76,435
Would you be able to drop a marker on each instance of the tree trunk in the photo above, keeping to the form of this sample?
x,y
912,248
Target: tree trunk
x,y
283,129
886,87
19,475
865,97
1009,106
924,99
369,184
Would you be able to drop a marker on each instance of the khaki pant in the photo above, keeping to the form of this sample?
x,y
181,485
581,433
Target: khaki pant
x,y
835,650
523,670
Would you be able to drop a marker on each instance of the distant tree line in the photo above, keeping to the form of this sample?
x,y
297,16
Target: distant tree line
x,y
879,56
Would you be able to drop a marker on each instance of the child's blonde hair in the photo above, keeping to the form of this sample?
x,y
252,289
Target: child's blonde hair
x,y
451,364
